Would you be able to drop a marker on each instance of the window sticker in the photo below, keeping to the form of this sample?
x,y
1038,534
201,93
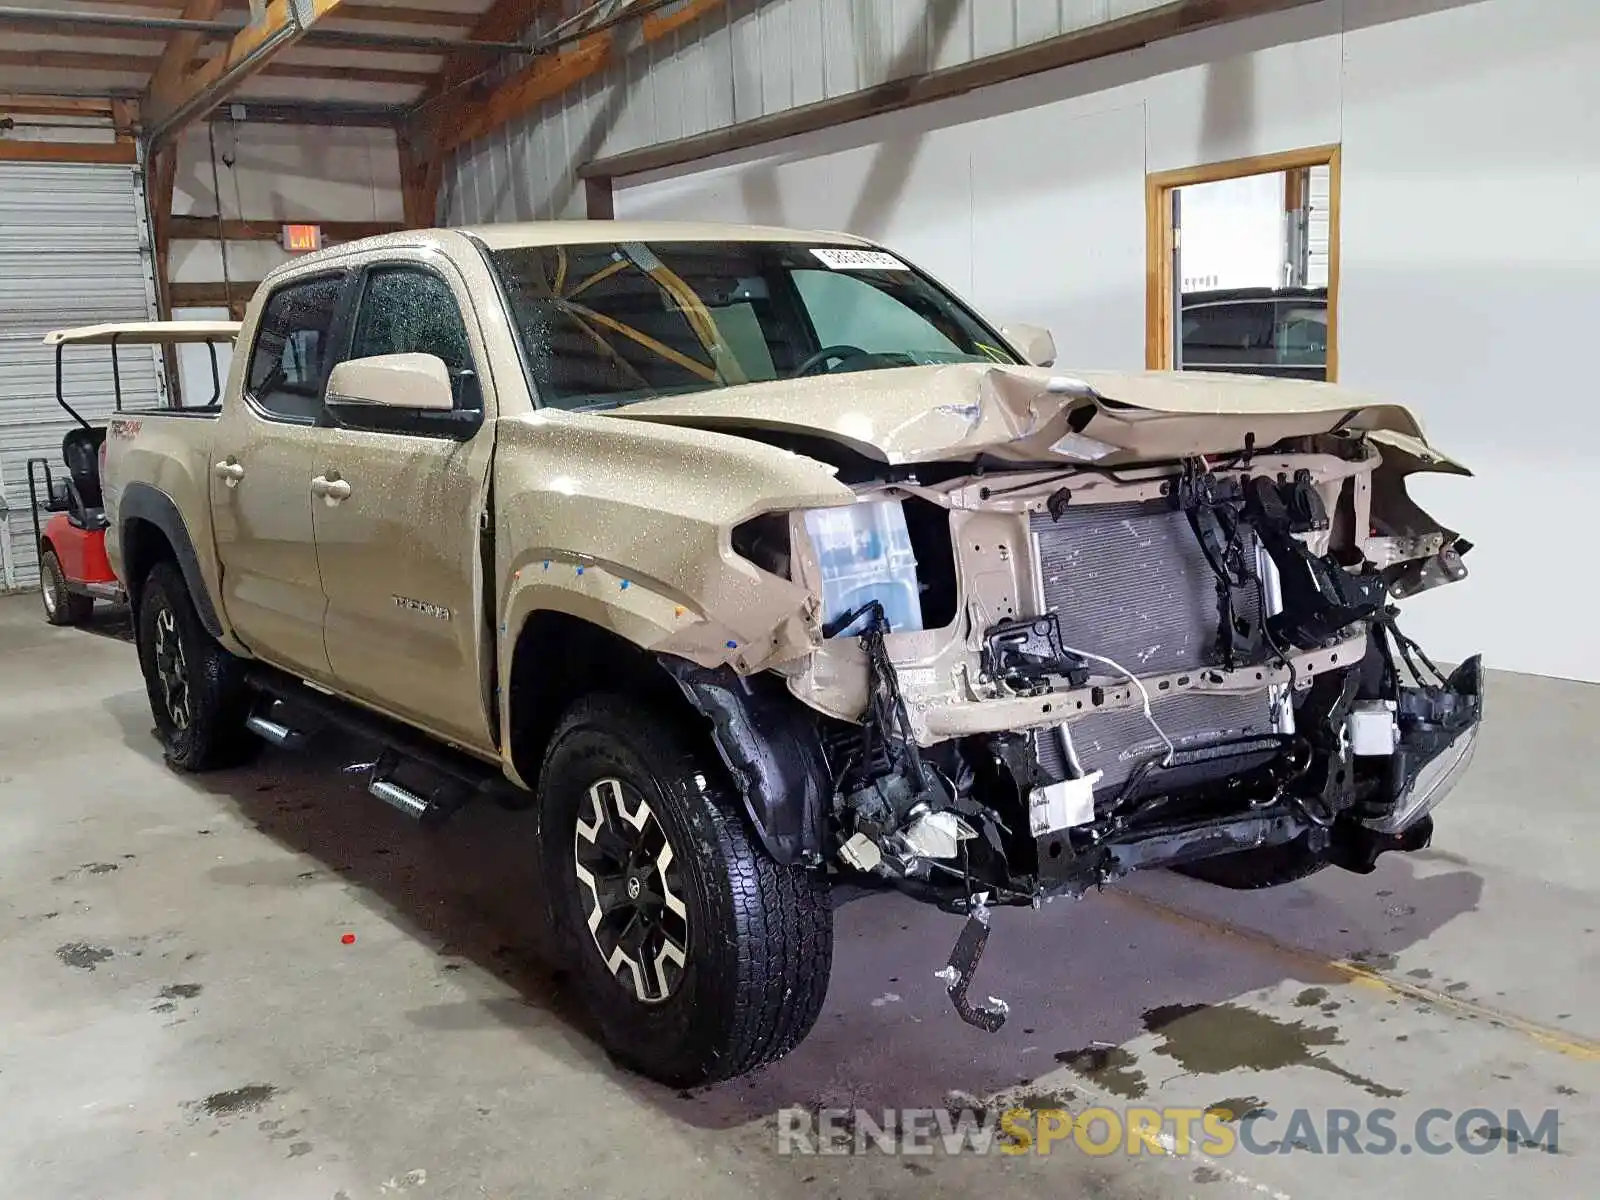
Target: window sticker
x,y
836,259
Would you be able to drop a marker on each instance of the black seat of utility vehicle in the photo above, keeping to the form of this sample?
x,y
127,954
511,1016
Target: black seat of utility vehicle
x,y
81,451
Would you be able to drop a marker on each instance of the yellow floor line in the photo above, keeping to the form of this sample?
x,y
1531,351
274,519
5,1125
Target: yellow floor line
x,y
1569,1044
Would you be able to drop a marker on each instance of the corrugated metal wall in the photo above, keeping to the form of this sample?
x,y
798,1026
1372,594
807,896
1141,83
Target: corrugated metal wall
x,y
73,251
749,60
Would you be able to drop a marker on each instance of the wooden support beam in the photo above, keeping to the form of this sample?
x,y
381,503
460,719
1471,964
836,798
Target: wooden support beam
x,y
379,13
16,150
181,49
546,77
236,229
454,118
19,104
125,119
657,25
146,68
419,185
600,202
400,15
503,21
402,78
168,108
78,60
211,294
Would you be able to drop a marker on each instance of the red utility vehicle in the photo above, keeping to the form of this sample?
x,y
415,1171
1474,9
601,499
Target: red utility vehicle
x,y
73,569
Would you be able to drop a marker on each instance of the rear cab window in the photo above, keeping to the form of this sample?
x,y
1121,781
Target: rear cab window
x,y
295,348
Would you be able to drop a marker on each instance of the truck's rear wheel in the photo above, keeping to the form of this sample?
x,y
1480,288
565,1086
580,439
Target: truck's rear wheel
x,y
196,688
62,606
699,956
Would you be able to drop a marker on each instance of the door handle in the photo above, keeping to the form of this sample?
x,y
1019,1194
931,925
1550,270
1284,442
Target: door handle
x,y
229,472
331,490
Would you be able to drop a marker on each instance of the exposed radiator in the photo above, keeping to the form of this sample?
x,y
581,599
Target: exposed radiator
x,y
1130,583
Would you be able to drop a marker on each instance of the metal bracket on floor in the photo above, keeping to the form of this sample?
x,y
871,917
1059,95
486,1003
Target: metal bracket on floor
x,y
963,964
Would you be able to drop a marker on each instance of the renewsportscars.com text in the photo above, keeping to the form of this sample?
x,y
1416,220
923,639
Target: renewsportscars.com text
x,y
1215,1133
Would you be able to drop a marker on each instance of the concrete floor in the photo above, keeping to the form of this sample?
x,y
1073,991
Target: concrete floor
x,y
181,1017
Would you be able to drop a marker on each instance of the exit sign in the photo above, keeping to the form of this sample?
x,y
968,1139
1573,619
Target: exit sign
x,y
298,239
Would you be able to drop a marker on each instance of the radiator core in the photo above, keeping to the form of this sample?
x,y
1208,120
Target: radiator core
x,y
1130,583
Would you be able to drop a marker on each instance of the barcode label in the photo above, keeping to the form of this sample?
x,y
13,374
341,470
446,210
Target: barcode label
x,y
859,260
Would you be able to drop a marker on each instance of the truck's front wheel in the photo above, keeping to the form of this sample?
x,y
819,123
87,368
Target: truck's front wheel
x,y
196,688
700,957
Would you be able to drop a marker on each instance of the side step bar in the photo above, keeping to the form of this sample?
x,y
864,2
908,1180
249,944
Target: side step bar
x,y
446,800
278,734
289,712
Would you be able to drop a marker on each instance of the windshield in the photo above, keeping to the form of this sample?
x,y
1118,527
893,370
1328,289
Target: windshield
x,y
607,324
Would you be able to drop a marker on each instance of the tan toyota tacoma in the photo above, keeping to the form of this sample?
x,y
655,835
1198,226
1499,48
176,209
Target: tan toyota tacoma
x,y
754,561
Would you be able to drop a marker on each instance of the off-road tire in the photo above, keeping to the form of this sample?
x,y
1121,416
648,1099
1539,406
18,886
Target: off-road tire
x,y
1263,867
62,606
209,731
760,935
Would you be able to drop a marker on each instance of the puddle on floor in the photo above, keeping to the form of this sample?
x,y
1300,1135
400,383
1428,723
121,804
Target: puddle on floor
x,y
1109,1067
1210,1039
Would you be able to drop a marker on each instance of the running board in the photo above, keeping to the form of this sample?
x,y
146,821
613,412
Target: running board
x,y
288,714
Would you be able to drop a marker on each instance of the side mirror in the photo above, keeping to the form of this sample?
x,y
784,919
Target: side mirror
x,y
412,382
1033,342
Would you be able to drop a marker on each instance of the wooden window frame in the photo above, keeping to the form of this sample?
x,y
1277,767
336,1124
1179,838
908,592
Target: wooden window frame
x,y
1159,283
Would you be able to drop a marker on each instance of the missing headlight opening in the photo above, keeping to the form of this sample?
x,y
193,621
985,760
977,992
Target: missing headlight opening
x,y
1024,686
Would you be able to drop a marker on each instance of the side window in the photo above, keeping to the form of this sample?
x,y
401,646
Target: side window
x,y
1228,335
409,311
1302,334
290,361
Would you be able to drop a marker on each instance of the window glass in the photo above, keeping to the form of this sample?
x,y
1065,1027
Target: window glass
x,y
1302,334
290,362
846,310
609,324
408,311
1228,334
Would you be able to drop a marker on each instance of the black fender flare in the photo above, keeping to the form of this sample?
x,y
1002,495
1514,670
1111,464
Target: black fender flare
x,y
142,502
772,751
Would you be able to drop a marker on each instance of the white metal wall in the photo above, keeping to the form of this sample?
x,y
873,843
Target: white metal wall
x,y
1470,257
751,59
74,250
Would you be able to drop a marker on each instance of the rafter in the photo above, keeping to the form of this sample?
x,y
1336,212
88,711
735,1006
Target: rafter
x,y
126,64
181,48
170,105
384,14
503,20
54,106
454,114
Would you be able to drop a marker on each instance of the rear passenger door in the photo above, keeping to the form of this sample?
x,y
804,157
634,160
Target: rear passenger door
x,y
400,541
266,443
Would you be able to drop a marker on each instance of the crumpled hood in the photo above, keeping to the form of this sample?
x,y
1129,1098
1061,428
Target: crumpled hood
x,y
1027,414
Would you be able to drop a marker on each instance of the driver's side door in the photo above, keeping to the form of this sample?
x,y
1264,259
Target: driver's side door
x,y
398,510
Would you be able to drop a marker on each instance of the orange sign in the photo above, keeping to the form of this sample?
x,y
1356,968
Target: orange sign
x,y
300,238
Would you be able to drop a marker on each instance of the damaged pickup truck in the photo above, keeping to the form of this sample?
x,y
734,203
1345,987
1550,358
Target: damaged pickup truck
x,y
751,560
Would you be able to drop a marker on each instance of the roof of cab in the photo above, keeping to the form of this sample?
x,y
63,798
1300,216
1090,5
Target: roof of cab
x,y
146,333
557,233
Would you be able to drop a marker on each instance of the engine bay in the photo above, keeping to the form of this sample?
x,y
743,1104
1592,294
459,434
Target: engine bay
x,y
1032,681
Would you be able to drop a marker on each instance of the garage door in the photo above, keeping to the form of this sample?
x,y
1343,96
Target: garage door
x,y
73,251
